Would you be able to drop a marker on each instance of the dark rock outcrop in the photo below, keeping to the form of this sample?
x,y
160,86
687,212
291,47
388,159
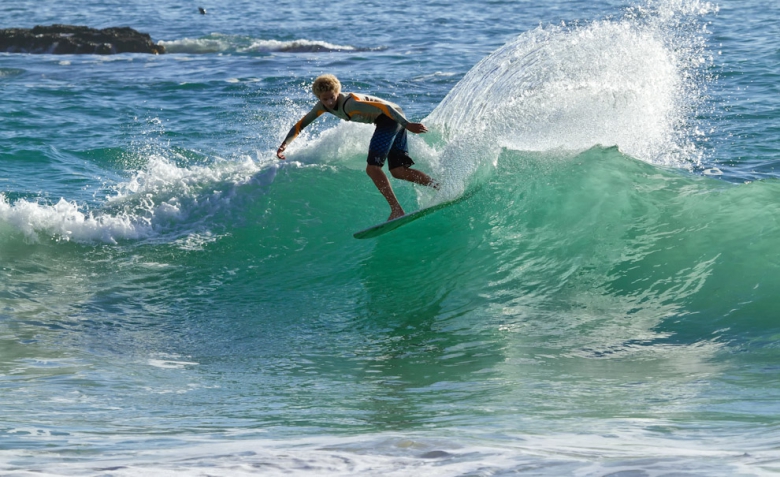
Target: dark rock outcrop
x,y
70,39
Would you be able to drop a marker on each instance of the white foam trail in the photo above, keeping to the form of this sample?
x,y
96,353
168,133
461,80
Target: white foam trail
x,y
602,452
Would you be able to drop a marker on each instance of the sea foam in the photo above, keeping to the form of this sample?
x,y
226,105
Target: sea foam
x,y
161,199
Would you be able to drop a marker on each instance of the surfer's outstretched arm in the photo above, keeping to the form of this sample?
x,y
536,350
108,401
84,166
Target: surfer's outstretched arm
x,y
317,111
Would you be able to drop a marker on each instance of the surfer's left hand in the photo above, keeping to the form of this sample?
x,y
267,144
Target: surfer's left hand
x,y
280,151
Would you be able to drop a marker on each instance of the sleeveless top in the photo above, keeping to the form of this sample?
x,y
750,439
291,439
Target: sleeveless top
x,y
356,107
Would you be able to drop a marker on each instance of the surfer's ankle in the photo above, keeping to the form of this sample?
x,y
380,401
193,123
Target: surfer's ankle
x,y
395,214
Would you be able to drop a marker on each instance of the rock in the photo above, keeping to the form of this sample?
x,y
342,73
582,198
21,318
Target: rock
x,y
437,454
71,39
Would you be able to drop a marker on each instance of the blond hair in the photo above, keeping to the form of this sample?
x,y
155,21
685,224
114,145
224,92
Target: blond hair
x,y
325,83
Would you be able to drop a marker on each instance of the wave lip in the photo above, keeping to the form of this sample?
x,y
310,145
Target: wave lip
x,y
219,43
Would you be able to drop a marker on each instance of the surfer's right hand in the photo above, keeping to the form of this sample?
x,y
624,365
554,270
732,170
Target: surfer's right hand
x,y
280,151
417,128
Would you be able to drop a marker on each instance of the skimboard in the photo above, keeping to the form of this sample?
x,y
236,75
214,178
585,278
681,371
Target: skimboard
x,y
390,225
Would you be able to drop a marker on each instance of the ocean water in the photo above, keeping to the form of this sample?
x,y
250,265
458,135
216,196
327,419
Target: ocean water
x,y
176,301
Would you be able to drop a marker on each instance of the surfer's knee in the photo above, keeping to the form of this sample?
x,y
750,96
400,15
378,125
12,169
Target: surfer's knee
x,y
372,169
399,172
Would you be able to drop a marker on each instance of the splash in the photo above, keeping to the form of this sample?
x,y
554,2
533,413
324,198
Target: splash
x,y
632,83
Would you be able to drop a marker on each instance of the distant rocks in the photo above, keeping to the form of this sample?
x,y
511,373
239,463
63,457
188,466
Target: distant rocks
x,y
70,39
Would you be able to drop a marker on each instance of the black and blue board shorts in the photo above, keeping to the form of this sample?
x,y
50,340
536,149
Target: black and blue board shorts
x,y
389,142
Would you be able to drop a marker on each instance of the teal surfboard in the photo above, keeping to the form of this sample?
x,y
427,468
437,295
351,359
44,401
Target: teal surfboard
x,y
390,225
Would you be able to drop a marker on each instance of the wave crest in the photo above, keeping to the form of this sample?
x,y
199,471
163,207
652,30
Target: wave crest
x,y
161,200
219,43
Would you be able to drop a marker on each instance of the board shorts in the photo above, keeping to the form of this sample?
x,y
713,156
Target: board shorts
x,y
389,142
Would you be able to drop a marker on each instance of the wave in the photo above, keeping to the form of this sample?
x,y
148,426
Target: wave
x,y
618,256
10,72
219,43
650,254
596,253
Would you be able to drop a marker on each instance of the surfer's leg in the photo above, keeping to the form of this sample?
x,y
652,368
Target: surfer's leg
x,y
381,142
383,139
400,167
413,175
383,184
400,163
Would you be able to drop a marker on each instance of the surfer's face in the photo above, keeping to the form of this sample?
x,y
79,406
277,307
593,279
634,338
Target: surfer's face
x,y
329,98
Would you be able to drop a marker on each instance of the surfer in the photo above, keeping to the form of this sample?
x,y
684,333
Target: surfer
x,y
387,143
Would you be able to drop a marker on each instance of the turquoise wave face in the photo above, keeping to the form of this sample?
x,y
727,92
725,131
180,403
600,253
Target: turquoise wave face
x,y
589,236
557,265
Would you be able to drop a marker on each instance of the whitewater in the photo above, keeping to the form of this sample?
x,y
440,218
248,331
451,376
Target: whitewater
x,y
176,301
